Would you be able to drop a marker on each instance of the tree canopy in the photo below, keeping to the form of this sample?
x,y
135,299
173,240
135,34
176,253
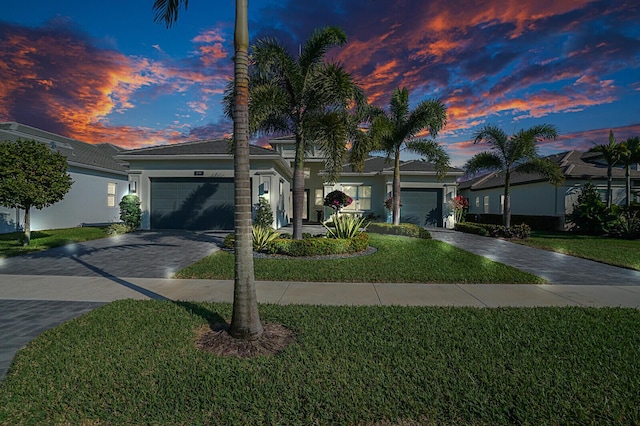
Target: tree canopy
x,y
31,175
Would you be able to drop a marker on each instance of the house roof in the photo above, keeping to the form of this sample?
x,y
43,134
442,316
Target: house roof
x,y
574,165
381,165
213,147
80,154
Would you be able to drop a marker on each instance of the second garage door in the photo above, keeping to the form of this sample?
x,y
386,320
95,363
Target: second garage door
x,y
192,203
421,206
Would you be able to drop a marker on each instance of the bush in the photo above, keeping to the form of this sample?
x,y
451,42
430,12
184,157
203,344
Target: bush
x,y
521,231
627,226
117,229
130,212
263,236
472,228
264,214
229,241
320,246
346,226
590,214
404,229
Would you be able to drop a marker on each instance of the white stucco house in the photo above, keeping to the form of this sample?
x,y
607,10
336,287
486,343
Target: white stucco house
x,y
99,183
190,185
534,197
424,197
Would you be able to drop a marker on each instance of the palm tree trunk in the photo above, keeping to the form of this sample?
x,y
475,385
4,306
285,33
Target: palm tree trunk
x,y
396,189
627,176
298,189
27,226
506,214
245,320
609,178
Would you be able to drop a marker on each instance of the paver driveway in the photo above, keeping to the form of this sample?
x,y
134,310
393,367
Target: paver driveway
x,y
143,254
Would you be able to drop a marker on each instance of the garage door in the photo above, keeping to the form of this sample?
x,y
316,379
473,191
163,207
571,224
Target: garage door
x,y
421,206
192,203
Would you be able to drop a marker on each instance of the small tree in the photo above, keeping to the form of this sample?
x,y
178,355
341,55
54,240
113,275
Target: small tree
x,y
130,212
264,214
31,175
337,200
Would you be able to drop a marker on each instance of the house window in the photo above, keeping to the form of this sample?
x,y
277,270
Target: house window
x,y
361,197
502,204
478,202
319,197
111,194
485,208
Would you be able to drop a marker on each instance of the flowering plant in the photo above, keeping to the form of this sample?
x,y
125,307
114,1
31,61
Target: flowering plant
x,y
388,203
337,200
460,206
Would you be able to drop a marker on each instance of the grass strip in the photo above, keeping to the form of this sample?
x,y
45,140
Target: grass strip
x,y
134,362
43,240
612,251
398,259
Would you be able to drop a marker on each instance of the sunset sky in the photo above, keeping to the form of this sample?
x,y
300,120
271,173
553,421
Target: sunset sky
x,y
105,72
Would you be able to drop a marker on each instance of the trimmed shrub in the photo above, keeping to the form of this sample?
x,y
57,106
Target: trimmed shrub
x,y
229,241
521,231
472,228
117,229
130,212
264,214
320,246
404,229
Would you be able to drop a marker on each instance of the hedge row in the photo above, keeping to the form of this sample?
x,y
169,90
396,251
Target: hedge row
x,y
311,246
405,229
320,246
499,231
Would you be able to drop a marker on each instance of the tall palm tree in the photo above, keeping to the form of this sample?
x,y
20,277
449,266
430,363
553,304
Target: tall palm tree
x,y
396,130
516,153
612,153
245,320
631,155
306,96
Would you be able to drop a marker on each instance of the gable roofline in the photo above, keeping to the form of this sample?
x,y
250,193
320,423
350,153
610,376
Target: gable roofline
x,y
78,154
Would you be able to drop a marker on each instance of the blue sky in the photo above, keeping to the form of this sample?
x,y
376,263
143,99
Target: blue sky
x,y
110,74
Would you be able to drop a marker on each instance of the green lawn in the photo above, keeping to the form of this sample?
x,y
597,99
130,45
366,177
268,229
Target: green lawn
x,y
134,362
625,253
398,259
43,240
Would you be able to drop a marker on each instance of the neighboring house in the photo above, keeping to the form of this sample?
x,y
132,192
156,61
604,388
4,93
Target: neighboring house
x,y
99,183
532,195
424,197
190,185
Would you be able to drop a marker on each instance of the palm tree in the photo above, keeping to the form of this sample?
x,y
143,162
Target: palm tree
x,y
612,153
516,153
305,96
245,320
396,130
631,155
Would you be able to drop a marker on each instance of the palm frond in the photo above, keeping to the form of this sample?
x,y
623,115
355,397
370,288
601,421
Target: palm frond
x,y
317,46
484,161
430,114
494,136
399,105
330,132
167,11
269,109
543,166
432,152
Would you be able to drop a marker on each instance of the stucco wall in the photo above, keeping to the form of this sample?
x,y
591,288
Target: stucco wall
x,y
86,202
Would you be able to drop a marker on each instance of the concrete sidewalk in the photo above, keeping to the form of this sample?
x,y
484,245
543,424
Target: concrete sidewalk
x,y
107,289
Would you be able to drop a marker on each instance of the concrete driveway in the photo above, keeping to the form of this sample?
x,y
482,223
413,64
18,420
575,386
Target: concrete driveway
x,y
143,254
